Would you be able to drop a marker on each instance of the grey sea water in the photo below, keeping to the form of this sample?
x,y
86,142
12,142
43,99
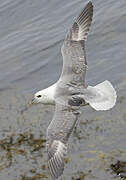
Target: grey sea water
x,y
31,35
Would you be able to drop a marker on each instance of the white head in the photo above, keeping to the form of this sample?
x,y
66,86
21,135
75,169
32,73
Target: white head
x,y
38,97
45,96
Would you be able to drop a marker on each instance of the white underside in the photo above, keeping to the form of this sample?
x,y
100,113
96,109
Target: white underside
x,y
100,97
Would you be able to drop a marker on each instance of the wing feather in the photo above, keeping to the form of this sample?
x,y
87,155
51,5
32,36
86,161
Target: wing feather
x,y
73,49
56,162
58,134
80,28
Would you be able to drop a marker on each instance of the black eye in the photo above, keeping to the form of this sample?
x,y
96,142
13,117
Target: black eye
x,y
39,96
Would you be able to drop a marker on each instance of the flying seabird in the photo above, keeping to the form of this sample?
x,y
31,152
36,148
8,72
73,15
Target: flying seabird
x,y
71,91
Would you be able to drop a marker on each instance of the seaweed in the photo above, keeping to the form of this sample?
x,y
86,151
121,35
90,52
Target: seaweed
x,y
119,168
14,144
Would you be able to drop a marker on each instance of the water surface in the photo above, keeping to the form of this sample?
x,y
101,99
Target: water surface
x,y
31,35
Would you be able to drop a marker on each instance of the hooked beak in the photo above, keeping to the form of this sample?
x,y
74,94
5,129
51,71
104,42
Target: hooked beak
x,y
33,101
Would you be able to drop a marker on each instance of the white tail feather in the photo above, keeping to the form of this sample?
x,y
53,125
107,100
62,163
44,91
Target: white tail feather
x,y
102,96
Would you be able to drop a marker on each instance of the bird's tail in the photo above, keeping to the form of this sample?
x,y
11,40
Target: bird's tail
x,y
101,97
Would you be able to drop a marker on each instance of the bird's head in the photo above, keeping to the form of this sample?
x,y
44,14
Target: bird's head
x,y
45,96
38,98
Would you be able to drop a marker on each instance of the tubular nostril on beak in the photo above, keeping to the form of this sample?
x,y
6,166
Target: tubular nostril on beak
x,y
32,102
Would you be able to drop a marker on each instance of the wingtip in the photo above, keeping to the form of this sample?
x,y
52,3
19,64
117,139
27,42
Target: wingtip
x,y
89,4
81,26
56,161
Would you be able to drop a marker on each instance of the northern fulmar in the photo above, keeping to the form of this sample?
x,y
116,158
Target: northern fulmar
x,y
71,92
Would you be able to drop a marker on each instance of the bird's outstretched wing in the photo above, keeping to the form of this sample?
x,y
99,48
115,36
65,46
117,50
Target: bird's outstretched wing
x,y
58,133
73,49
73,73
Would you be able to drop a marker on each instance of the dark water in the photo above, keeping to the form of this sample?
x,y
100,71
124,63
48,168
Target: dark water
x,y
31,35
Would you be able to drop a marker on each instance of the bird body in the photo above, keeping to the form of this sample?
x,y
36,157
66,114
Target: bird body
x,y
71,91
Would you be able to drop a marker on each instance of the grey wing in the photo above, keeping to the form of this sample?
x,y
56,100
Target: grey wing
x,y
73,49
58,133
